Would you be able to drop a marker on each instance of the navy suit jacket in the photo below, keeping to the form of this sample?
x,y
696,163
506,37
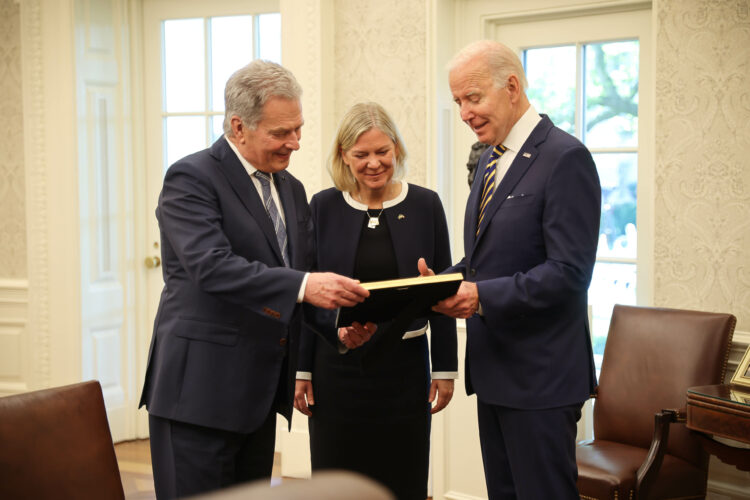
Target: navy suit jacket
x,y
532,262
228,315
418,229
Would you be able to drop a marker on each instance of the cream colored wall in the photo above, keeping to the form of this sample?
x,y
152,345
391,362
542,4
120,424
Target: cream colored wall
x,y
12,183
380,55
354,51
702,171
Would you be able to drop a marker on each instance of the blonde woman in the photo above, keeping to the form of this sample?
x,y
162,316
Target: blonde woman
x,y
373,226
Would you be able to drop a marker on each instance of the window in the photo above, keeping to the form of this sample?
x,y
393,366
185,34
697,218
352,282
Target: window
x,y
590,90
198,56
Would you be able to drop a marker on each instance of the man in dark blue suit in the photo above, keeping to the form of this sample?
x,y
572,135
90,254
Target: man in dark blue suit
x,y
530,238
236,244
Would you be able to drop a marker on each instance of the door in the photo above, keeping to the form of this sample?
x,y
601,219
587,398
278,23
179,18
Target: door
x,y
105,208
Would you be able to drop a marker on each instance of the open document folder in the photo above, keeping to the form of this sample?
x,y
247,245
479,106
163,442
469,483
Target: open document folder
x,y
388,299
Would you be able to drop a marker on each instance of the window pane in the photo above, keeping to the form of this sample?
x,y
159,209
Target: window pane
x,y
611,94
231,48
551,74
184,66
618,174
217,127
612,284
184,135
269,37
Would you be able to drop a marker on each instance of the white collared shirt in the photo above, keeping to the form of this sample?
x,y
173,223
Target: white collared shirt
x,y
275,195
514,141
250,169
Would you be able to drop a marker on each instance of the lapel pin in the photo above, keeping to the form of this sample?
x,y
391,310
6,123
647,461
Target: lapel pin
x,y
527,155
401,216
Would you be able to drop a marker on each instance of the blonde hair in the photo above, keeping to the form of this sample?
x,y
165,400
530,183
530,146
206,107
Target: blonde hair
x,y
361,118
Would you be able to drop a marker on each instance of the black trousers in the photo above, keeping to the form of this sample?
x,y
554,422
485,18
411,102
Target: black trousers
x,y
529,454
188,459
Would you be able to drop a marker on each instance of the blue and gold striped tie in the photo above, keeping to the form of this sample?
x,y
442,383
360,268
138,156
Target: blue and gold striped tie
x,y
488,183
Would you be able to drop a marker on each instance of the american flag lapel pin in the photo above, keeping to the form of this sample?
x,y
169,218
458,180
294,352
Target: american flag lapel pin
x,y
527,155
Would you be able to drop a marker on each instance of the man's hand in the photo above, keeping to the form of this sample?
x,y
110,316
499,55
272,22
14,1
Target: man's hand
x,y
462,305
444,390
356,335
423,269
330,290
303,396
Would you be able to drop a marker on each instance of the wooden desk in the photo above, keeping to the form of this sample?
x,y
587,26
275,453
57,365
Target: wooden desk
x,y
721,410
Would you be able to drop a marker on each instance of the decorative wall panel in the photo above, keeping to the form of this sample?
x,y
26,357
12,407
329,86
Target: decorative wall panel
x,y
380,55
702,171
12,184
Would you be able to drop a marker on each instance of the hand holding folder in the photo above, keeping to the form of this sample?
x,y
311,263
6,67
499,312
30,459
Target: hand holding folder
x,y
389,299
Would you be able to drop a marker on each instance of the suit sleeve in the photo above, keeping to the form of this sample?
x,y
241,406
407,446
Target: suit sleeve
x,y
318,324
444,349
570,226
190,217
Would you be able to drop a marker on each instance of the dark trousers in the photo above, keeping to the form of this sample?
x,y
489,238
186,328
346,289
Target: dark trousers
x,y
189,459
529,454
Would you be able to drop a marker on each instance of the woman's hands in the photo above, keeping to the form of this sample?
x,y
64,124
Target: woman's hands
x,y
443,388
303,396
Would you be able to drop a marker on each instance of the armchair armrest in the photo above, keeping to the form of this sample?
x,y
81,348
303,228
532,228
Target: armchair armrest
x,y
648,471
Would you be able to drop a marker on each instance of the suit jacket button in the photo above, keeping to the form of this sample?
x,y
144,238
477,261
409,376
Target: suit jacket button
x,y
473,272
282,342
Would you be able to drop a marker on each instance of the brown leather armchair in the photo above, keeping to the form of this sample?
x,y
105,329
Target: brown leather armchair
x,y
56,443
652,356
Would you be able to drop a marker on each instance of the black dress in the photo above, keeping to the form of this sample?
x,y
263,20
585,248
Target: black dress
x,y
376,420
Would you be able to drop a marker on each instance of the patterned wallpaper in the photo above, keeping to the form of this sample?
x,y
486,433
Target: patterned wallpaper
x,y
12,183
380,55
702,205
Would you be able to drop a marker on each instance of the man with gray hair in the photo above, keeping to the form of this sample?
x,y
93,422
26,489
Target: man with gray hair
x,y
530,236
236,249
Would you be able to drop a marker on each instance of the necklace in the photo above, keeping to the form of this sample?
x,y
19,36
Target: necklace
x,y
374,220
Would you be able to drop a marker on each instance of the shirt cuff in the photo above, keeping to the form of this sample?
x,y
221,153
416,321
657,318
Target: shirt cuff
x,y
304,376
301,294
443,375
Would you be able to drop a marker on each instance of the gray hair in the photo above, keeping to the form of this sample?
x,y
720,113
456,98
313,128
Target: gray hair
x,y
361,118
250,87
501,61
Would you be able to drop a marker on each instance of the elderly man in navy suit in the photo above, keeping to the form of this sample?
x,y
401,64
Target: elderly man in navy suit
x,y
530,236
236,244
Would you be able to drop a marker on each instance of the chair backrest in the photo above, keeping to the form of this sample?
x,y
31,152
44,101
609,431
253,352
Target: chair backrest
x,y
56,443
651,358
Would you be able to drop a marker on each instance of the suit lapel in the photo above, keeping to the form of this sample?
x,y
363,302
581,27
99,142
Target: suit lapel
x,y
521,163
399,228
245,190
472,204
284,187
351,231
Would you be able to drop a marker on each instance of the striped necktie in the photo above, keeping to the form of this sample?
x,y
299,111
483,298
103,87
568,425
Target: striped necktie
x,y
488,183
273,213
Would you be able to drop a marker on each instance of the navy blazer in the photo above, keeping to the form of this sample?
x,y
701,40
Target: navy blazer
x,y
532,261
418,229
228,314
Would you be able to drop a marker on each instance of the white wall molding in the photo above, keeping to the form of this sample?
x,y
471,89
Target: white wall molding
x,y
36,194
14,351
577,10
